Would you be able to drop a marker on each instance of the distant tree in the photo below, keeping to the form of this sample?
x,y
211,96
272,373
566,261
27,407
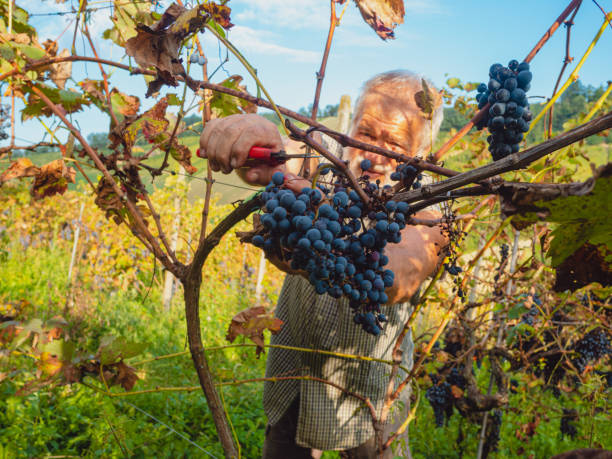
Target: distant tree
x,y
328,111
452,120
98,139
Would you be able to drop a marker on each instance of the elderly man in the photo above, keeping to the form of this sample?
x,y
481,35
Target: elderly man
x,y
306,417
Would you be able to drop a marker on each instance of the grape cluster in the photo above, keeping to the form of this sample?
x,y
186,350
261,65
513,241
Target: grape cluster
x,y
529,316
196,58
590,348
5,113
568,427
508,116
408,176
493,433
440,398
329,233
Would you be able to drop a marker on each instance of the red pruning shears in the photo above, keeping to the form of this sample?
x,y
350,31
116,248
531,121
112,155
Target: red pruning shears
x,y
263,155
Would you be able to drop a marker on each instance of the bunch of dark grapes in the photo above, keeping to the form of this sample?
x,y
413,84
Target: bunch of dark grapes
x,y
508,116
528,317
440,398
590,348
568,428
408,176
5,113
455,378
330,233
492,433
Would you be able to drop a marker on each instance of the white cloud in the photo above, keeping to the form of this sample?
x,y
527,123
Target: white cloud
x,y
301,14
295,14
253,41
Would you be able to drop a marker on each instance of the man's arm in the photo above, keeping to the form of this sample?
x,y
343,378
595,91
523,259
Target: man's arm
x,y
413,259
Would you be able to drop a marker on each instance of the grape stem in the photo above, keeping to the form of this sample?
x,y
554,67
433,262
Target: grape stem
x,y
303,136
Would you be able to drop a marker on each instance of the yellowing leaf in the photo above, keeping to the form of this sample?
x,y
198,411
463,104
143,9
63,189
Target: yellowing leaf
x,y
49,364
20,168
123,104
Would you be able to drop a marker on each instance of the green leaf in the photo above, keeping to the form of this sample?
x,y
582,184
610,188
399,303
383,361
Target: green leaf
x,y
578,219
113,349
6,51
517,311
64,350
71,101
217,28
453,82
223,105
173,99
30,51
127,15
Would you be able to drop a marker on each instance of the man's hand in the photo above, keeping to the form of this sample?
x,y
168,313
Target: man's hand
x,y
414,258
226,142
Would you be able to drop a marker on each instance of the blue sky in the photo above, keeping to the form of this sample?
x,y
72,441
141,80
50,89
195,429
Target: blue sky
x,y
284,40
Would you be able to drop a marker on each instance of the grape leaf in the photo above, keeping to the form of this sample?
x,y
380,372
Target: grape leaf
x,y
427,99
581,242
62,349
219,13
49,364
222,104
251,323
590,263
70,100
22,167
182,155
158,45
93,92
127,15
382,15
53,178
30,51
61,71
108,200
116,348
124,105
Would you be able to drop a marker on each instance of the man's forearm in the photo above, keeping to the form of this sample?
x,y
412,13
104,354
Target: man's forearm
x,y
415,258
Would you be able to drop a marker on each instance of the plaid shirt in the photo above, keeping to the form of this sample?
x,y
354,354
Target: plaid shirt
x,y
329,419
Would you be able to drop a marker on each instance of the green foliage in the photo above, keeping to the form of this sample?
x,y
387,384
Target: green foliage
x,y
329,110
98,140
117,296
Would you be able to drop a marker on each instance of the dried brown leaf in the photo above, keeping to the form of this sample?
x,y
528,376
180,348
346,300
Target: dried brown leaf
x,y
53,178
182,155
124,104
382,15
251,323
220,14
126,376
50,47
108,200
590,263
157,46
61,71
20,168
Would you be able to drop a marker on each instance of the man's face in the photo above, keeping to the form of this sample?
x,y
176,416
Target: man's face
x,y
389,122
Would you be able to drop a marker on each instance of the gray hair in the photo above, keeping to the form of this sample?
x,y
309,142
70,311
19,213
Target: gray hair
x,y
403,79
